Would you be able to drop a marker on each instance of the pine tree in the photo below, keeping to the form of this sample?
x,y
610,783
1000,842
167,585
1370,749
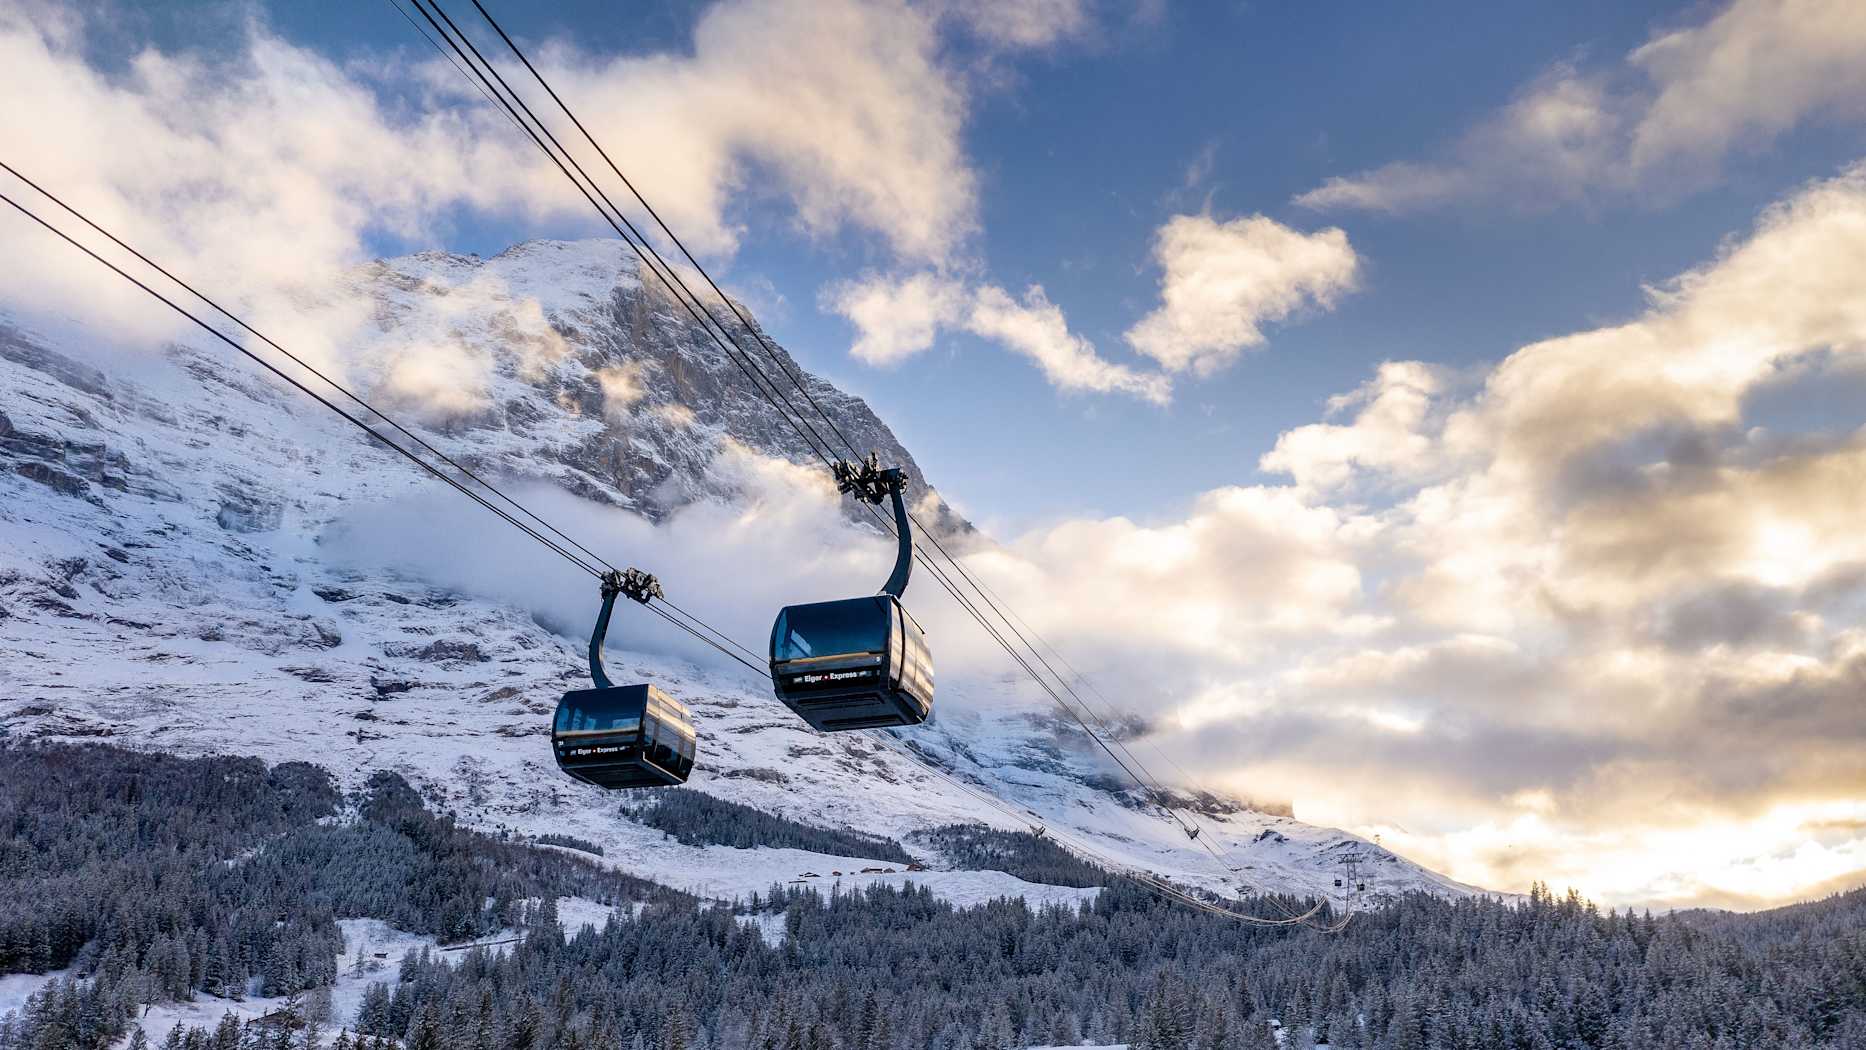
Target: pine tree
x,y
424,1032
1257,1034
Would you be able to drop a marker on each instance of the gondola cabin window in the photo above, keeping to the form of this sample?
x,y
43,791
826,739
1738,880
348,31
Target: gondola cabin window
x,y
807,632
577,720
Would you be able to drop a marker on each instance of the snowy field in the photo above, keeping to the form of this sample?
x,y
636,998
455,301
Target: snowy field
x,y
16,988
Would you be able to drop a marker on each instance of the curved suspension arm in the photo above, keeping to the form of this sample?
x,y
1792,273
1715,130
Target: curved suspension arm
x,y
638,586
904,557
597,674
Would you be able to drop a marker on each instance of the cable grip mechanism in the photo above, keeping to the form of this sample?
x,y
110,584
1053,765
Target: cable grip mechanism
x,y
631,583
867,480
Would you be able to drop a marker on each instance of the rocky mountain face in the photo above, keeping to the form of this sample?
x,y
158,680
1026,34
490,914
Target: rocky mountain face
x,y
167,580
601,382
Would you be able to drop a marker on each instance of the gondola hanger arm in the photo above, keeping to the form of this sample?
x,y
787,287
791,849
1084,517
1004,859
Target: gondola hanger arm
x,y
869,482
631,583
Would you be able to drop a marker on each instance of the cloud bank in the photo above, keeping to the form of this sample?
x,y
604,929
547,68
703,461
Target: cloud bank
x,y
1596,614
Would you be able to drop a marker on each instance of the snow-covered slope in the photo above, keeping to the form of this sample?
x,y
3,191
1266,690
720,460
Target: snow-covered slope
x,y
166,581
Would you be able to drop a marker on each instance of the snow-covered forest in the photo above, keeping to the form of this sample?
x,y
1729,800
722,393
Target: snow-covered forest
x,y
143,879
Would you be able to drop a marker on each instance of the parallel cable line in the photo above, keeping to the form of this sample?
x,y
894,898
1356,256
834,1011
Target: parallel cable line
x,y
774,355
406,17
715,329
314,395
670,617
761,667
1145,778
486,74
302,363
770,350
796,381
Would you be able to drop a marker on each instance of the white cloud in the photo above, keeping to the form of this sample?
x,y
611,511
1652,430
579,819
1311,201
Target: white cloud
x,y
1661,119
1020,23
895,318
1556,140
265,173
1036,328
1223,281
1388,431
621,386
1752,72
1590,578
841,106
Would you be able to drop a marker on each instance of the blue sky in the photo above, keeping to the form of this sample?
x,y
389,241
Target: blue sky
x,y
1090,148
1084,148
1549,319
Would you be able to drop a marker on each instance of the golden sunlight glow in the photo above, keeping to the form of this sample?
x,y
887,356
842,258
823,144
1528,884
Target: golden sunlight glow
x,y
1787,853
1390,720
1784,553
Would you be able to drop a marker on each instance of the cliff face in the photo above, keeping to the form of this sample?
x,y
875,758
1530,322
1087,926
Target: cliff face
x,y
596,380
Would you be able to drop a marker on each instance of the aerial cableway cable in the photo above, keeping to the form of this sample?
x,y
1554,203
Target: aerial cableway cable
x,y
355,420
746,322
796,381
697,307
761,381
541,136
1144,778
687,622
307,366
678,617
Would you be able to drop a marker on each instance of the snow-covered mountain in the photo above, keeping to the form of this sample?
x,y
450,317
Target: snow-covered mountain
x,y
167,580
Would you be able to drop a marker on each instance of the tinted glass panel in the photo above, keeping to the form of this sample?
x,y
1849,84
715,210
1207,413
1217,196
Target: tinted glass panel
x,y
579,719
859,625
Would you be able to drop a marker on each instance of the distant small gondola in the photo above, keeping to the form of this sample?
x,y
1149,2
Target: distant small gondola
x,y
857,663
622,736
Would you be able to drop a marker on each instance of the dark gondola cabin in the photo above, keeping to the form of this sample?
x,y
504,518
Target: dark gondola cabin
x,y
623,737
859,663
